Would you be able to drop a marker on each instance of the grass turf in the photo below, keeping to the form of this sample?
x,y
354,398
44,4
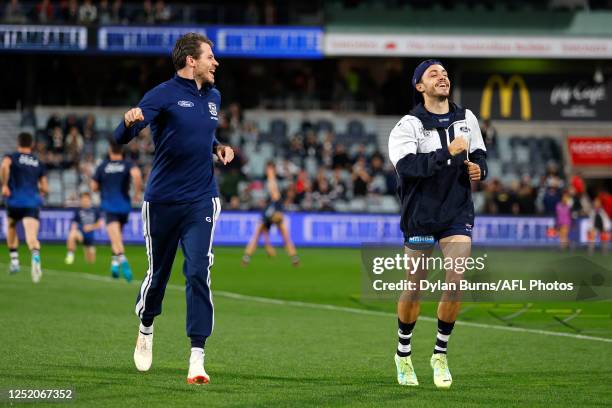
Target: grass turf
x,y
74,331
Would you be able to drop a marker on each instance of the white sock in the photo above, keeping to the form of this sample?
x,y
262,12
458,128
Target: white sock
x,y
146,330
197,352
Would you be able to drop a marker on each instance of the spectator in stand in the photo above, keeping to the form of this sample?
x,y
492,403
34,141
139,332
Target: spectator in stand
x,y
600,227
564,220
341,158
339,190
13,13
118,14
551,196
146,14
74,145
505,199
44,12
269,13
235,117
489,135
163,14
606,201
361,179
251,14
88,12
104,13
526,197
70,11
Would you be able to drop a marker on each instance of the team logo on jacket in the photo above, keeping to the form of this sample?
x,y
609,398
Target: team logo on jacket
x,y
212,108
185,104
464,129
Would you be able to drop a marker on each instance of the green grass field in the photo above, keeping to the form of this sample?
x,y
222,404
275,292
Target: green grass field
x,y
289,337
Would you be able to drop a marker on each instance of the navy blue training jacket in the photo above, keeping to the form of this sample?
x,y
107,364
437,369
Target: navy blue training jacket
x,y
434,188
183,122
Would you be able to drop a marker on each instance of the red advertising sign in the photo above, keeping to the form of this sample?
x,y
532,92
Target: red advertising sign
x,y
590,151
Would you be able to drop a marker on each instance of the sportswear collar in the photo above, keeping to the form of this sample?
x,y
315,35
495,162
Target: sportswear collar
x,y
430,122
191,84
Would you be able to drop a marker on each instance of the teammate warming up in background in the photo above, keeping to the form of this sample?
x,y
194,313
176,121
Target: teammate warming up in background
x,y
437,150
23,184
85,222
112,180
272,215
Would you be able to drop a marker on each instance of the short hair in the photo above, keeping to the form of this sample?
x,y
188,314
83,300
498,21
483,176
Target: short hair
x,y
188,44
85,194
25,139
115,147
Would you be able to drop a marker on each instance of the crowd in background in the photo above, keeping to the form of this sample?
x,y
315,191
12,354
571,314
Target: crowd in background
x,y
247,12
318,169
140,12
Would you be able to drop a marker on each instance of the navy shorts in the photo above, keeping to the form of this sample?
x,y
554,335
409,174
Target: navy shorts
x,y
17,214
426,241
88,238
121,218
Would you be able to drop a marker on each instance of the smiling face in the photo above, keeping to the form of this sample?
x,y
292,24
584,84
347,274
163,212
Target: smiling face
x,y
434,82
205,66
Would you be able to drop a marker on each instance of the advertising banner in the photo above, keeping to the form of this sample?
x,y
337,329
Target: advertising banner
x,y
537,97
590,151
43,38
328,229
253,42
414,45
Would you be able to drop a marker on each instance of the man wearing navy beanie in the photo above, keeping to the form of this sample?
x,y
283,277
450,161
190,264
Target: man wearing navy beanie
x,y
437,150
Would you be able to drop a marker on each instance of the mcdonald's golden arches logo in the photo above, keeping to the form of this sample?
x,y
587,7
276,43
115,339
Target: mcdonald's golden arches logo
x,y
505,96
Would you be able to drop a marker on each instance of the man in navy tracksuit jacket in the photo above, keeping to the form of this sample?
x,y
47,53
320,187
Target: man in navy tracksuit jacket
x,y
437,150
181,201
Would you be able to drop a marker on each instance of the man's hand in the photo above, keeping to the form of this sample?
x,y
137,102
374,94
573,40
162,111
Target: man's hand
x,y
473,169
458,145
225,154
6,191
132,116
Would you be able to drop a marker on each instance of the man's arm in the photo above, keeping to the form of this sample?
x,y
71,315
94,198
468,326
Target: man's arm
x,y
478,150
408,163
136,119
5,172
43,185
137,180
95,180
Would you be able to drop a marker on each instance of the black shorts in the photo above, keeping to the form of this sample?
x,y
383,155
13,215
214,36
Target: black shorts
x,y
425,241
17,213
121,218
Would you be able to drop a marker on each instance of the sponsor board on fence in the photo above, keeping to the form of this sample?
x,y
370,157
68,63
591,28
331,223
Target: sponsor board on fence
x,y
328,230
409,45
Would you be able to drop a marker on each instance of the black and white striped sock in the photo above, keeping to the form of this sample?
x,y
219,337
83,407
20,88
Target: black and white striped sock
x,y
404,334
14,255
444,331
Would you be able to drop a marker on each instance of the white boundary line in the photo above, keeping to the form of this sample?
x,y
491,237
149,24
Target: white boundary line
x,y
295,303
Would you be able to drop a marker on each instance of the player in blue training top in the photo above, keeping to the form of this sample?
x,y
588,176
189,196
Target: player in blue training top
x,y
112,180
23,184
181,203
85,222
272,215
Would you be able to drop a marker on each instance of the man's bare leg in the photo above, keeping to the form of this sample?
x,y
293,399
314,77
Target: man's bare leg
x,y
252,245
289,246
12,242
